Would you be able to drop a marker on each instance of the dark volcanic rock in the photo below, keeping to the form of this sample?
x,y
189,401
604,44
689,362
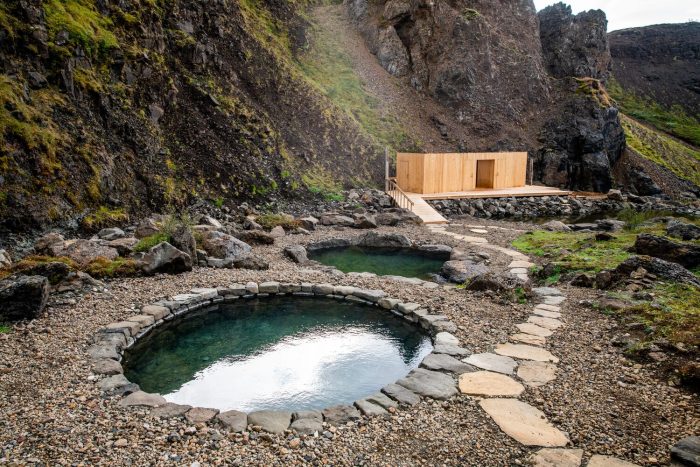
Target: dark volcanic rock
x,y
462,271
660,247
575,45
377,240
183,240
687,451
23,297
580,146
670,271
682,230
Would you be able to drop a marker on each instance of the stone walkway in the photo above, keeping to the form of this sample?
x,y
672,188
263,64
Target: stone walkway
x,y
525,360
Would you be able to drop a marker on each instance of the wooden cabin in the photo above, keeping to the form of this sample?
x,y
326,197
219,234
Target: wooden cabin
x,y
445,173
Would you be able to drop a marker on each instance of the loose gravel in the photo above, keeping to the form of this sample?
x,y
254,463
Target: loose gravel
x,y
53,413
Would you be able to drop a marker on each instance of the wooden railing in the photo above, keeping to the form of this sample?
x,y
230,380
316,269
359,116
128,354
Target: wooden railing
x,y
397,194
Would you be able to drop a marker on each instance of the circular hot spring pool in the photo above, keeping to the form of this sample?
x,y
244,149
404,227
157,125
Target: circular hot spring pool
x,y
276,353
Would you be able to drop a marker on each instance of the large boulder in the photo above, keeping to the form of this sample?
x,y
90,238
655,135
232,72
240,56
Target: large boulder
x,y
255,237
665,269
225,246
146,228
461,271
296,253
44,244
23,297
377,240
124,246
165,258
660,247
682,230
182,239
111,233
84,252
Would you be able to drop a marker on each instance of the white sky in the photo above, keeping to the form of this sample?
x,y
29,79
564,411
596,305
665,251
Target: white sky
x,y
624,14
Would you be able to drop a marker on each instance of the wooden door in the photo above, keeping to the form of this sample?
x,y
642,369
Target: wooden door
x,y
485,173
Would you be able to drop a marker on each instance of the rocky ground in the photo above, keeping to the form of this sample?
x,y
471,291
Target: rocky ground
x,y
607,404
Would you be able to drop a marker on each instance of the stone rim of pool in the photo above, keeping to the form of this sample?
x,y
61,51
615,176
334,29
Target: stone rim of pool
x,y
435,377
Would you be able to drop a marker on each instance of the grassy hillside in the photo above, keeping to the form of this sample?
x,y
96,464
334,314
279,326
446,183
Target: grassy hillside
x,y
679,158
674,121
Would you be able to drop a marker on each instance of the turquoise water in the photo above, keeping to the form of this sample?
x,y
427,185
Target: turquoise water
x,y
276,353
382,261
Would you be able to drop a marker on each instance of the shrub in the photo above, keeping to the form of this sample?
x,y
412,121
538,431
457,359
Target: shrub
x,y
149,242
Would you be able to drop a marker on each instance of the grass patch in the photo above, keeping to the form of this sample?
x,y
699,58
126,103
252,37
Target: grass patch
x,y
580,252
149,242
674,121
5,329
329,69
659,148
321,182
674,314
103,218
270,221
31,262
121,267
84,24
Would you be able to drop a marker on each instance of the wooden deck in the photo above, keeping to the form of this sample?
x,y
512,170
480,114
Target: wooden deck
x,y
430,216
520,192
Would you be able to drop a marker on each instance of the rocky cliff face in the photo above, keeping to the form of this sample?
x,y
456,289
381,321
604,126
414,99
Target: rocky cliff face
x,y
116,107
661,62
480,58
494,64
575,45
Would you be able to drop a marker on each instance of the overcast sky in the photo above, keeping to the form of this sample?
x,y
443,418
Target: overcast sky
x,y
632,13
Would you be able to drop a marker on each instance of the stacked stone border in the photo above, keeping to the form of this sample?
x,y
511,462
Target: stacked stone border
x,y
436,378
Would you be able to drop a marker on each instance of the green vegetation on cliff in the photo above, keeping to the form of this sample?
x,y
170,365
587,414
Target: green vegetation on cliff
x,y
674,121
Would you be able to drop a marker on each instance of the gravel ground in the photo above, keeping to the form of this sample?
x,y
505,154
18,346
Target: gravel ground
x,y
54,414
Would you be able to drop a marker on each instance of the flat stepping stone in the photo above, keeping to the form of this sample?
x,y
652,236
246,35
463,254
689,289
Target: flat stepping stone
x,y
525,352
553,457
429,384
479,231
443,362
517,271
523,422
546,307
401,394
520,264
609,461
546,313
546,291
553,300
536,374
535,330
270,420
528,339
548,323
488,383
492,362
307,426
339,414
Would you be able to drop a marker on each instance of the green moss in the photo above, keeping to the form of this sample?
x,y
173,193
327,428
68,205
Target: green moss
x,y
84,24
470,14
5,329
320,181
674,121
31,262
149,242
268,30
674,314
677,157
104,217
8,22
121,267
29,124
270,221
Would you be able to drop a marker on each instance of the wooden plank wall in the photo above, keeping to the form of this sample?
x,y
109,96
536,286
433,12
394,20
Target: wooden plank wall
x,y
451,172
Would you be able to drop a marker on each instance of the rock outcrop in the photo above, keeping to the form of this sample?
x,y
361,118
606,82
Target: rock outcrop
x,y
575,45
23,297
